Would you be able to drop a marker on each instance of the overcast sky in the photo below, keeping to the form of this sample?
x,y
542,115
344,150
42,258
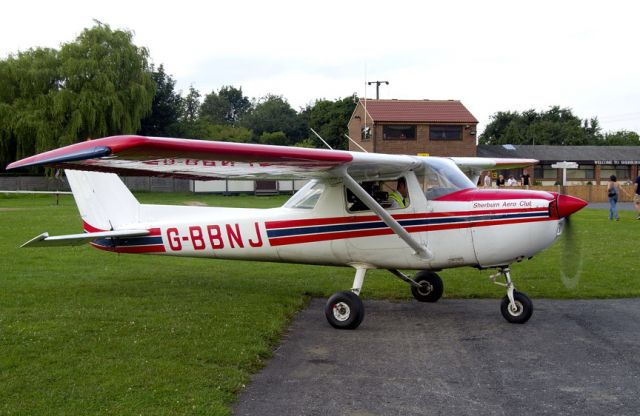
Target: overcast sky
x,y
491,55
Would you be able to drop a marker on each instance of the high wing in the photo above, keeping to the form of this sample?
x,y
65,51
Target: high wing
x,y
204,160
201,159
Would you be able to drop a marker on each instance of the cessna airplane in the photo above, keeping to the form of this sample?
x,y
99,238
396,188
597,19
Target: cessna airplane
x,y
341,217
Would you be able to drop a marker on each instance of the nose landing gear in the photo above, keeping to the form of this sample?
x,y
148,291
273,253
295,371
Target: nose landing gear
x,y
345,310
516,307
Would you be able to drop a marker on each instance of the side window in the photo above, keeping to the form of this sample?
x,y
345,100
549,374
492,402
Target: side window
x,y
386,193
307,197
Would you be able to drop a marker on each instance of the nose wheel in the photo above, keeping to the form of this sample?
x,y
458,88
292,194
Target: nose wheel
x,y
516,307
345,310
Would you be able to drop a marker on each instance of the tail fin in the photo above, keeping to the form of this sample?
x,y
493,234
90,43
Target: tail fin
x,y
104,202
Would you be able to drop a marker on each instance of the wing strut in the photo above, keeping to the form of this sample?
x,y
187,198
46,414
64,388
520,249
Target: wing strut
x,y
368,200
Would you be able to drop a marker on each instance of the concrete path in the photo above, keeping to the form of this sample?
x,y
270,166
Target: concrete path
x,y
456,357
622,206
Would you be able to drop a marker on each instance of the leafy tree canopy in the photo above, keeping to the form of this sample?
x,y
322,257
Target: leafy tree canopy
x,y
274,114
165,109
620,138
557,126
97,86
227,106
330,119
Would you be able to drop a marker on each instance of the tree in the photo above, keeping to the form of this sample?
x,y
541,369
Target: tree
x,y
620,138
27,84
225,133
96,86
274,138
107,85
191,105
226,106
557,126
239,105
330,120
214,108
273,114
165,109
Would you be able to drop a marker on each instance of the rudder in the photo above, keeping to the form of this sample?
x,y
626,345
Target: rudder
x,y
104,201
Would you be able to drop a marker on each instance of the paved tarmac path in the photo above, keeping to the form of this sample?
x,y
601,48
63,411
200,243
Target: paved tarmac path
x,y
456,357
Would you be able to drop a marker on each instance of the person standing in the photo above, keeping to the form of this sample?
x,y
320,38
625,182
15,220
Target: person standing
x,y
613,191
636,196
487,180
526,178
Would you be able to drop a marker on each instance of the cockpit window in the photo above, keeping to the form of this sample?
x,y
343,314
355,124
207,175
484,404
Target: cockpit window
x,y
307,197
441,177
382,192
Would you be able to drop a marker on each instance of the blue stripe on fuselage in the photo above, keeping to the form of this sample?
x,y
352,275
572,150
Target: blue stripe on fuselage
x,y
287,232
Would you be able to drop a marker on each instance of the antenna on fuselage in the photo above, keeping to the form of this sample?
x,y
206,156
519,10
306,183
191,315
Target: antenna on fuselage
x,y
318,136
354,142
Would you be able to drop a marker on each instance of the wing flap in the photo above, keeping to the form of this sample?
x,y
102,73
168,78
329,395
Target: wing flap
x,y
44,240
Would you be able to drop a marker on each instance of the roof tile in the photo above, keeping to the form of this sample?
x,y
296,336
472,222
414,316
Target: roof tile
x,y
431,111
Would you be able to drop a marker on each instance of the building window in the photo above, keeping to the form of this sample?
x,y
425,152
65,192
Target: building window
x,y
541,171
622,172
445,132
583,172
399,132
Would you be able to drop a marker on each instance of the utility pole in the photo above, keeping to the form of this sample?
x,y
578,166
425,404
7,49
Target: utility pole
x,y
378,87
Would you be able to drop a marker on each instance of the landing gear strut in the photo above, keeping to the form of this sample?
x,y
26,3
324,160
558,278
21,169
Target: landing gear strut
x,y
426,286
516,307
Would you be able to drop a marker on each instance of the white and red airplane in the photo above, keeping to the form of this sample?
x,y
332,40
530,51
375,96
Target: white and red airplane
x,y
341,217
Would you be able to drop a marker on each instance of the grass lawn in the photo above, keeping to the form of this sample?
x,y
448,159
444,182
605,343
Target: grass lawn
x,y
88,332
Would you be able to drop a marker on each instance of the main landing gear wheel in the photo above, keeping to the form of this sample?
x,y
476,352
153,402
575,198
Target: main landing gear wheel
x,y
431,287
344,310
520,311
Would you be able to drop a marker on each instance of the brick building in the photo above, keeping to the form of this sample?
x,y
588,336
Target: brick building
x,y
438,128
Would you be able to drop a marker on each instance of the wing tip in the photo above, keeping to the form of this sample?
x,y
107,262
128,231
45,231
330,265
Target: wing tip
x,y
59,156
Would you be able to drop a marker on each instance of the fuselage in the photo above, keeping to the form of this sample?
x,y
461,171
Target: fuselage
x,y
468,227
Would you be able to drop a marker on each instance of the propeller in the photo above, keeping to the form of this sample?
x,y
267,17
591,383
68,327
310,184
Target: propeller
x,y
571,255
571,251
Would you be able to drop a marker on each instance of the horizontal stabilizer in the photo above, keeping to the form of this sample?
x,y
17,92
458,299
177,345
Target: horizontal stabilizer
x,y
43,240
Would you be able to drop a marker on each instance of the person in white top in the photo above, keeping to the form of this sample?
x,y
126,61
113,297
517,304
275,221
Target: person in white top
x,y
487,180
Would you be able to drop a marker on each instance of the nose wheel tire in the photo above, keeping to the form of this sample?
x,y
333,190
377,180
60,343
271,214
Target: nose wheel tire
x,y
521,312
344,310
431,287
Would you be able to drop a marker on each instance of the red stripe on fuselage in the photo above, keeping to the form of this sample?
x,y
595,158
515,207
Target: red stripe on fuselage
x,y
482,195
312,238
270,225
156,248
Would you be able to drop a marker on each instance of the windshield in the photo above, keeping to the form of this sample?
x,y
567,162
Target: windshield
x,y
441,177
307,196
